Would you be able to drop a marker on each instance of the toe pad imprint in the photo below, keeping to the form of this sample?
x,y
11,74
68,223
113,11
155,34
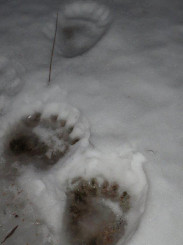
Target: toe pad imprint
x,y
95,212
81,25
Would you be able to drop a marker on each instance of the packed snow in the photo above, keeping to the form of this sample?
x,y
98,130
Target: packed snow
x,y
111,112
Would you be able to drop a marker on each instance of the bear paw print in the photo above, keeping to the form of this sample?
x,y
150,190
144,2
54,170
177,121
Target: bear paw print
x,y
95,212
45,136
81,25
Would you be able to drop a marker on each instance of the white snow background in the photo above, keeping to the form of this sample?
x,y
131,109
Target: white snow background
x,y
129,87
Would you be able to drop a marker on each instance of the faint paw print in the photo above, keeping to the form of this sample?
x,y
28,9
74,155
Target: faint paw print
x,y
10,77
81,25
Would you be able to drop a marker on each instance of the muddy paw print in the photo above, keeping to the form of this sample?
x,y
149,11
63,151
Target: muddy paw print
x,y
95,212
44,137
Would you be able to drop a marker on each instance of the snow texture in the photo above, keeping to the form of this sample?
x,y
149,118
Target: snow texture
x,y
119,95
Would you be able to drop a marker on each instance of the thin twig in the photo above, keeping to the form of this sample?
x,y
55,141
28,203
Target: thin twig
x,y
10,234
52,52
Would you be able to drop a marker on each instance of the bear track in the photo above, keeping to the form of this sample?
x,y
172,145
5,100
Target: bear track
x,y
41,140
90,216
81,25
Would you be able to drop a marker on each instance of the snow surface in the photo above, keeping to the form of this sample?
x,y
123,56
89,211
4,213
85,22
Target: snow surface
x,y
129,87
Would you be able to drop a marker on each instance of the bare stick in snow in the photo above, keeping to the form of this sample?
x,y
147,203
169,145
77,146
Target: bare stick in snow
x,y
52,52
10,234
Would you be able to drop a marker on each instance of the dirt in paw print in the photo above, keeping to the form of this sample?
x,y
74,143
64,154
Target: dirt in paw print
x,y
41,139
95,212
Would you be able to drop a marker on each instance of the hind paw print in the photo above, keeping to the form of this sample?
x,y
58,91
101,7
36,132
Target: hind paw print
x,y
44,137
95,212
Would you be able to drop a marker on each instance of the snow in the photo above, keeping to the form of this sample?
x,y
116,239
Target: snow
x,y
124,96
